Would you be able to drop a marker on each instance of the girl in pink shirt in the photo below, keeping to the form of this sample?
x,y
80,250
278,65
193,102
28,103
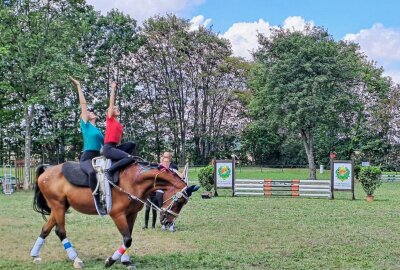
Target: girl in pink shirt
x,y
120,154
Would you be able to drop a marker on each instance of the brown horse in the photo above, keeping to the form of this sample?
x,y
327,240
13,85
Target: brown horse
x,y
54,195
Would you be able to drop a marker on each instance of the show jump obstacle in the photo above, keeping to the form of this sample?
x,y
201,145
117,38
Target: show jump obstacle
x,y
274,188
342,179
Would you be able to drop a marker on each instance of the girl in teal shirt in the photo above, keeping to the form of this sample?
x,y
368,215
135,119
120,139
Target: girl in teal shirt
x,y
93,140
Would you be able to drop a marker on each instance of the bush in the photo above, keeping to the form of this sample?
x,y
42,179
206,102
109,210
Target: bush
x,y
370,179
206,177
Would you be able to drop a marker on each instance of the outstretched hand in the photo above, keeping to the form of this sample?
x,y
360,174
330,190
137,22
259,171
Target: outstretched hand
x,y
74,81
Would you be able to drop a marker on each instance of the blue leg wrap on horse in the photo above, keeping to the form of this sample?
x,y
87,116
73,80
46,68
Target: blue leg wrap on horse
x,y
36,248
69,249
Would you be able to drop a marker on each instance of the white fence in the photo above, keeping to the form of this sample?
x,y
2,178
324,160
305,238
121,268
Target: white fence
x,y
293,188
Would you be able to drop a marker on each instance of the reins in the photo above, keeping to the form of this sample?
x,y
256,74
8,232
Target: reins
x,y
130,196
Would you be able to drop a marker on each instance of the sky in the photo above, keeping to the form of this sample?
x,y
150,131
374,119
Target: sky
x,y
374,24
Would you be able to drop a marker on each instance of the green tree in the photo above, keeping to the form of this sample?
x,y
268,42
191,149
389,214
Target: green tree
x,y
41,44
188,84
260,142
33,43
303,80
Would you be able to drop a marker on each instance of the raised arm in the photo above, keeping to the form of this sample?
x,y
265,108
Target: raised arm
x,y
112,100
82,100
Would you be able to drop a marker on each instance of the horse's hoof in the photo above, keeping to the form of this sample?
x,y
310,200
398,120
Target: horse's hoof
x,y
109,262
78,264
37,259
127,263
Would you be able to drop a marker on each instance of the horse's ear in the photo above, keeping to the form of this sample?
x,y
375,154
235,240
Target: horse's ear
x,y
192,189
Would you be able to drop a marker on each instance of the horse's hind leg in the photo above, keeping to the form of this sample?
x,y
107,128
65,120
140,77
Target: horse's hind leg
x,y
46,229
59,214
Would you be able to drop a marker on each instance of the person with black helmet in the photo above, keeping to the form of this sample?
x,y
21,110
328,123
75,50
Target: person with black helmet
x,y
93,140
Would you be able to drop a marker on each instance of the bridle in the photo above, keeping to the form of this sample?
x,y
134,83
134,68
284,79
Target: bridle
x,y
162,211
174,200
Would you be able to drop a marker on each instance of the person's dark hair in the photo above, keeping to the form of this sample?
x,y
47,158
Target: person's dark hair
x,y
90,108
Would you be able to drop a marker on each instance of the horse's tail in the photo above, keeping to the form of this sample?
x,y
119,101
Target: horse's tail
x,y
39,202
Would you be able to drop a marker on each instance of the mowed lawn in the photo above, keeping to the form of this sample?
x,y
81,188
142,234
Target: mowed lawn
x,y
224,233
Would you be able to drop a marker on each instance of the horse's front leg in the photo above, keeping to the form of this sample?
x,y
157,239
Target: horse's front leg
x,y
123,227
125,260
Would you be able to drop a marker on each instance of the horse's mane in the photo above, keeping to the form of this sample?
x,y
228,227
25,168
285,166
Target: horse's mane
x,y
157,166
148,164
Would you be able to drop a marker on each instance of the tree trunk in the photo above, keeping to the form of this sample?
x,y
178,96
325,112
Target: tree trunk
x,y
182,156
308,145
27,164
158,139
62,143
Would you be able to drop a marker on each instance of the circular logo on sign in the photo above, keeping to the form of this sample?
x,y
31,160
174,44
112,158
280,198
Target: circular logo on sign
x,y
342,173
224,172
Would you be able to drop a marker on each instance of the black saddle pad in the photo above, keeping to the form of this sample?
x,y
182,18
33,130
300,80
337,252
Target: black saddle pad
x,y
74,174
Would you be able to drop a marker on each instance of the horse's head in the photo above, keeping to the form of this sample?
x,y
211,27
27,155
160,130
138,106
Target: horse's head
x,y
174,200
176,195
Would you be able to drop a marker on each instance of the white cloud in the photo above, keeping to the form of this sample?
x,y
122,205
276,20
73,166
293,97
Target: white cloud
x,y
296,23
243,35
143,9
198,21
382,45
394,74
378,42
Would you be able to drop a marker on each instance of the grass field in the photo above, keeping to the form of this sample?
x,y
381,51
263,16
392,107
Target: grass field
x,y
225,233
